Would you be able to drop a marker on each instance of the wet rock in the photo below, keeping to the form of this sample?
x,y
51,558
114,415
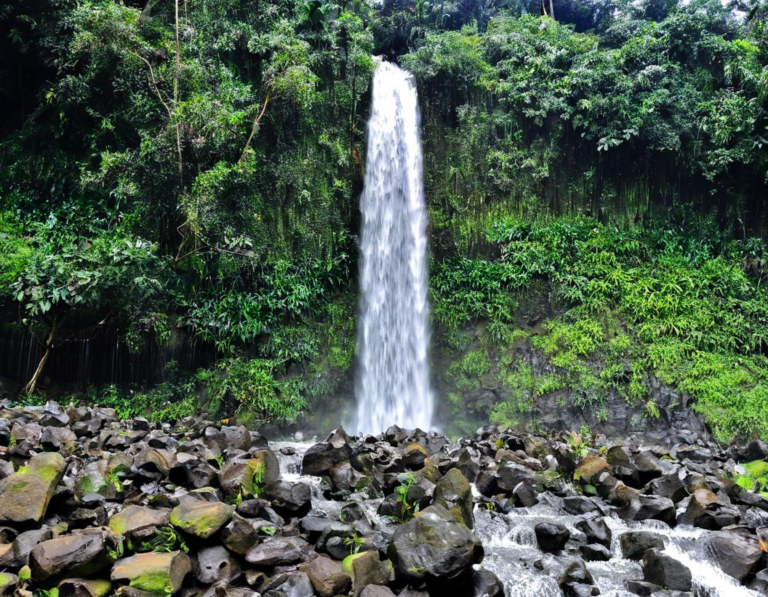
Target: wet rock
x,y
525,495
551,536
576,580
327,577
511,475
634,544
414,456
279,551
665,571
734,553
642,588
646,507
24,496
215,564
579,504
321,458
239,535
434,546
79,554
367,568
155,573
293,499
595,553
595,530
454,493
293,584
486,584
199,518
698,504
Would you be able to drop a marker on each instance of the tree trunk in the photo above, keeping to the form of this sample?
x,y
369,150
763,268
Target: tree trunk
x,y
30,387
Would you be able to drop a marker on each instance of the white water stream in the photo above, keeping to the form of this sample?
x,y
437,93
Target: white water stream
x,y
393,386
511,549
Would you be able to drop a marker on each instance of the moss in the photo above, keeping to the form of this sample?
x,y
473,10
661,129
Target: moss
x,y
48,473
6,579
153,582
18,486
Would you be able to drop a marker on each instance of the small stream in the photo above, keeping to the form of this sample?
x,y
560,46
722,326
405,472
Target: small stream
x,y
512,553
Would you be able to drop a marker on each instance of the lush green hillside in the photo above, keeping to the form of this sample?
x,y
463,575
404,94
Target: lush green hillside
x,y
596,185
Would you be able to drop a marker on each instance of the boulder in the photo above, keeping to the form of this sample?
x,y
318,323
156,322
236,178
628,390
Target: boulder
x,y
434,546
279,551
24,496
154,573
634,544
665,571
736,554
240,535
551,536
595,530
321,458
486,584
237,475
291,584
134,518
576,580
78,554
327,577
289,498
199,518
215,564
647,507
454,493
590,468
365,569
85,587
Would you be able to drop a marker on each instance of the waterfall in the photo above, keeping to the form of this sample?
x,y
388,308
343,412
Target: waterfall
x,y
393,384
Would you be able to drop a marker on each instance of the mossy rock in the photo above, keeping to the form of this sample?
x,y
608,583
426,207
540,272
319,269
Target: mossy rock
x,y
590,468
135,517
202,519
24,496
156,573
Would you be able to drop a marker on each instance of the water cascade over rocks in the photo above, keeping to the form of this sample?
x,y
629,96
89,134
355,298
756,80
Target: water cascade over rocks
x,y
393,384
97,506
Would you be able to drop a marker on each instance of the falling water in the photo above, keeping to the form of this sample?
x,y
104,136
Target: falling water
x,y
393,380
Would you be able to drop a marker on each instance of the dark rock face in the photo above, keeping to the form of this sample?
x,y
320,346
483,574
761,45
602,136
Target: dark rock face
x,y
551,536
434,546
660,569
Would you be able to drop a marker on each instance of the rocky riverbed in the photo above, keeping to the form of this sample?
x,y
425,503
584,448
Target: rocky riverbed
x,y
92,506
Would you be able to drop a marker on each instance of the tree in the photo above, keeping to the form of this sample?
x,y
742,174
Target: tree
x,y
71,284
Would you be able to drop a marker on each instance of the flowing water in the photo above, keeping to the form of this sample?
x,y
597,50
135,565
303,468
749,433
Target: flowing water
x,y
393,371
511,550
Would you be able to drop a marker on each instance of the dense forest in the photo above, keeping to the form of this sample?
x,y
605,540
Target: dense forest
x,y
179,186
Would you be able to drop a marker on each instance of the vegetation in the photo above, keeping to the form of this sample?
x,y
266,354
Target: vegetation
x,y
596,179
